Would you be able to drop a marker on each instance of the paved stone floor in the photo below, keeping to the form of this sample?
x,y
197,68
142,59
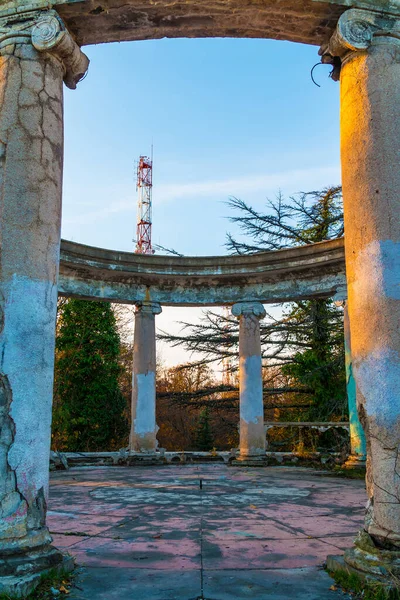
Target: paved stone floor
x,y
203,531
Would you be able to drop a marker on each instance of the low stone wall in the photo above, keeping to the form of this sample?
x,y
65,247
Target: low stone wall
x,y
65,460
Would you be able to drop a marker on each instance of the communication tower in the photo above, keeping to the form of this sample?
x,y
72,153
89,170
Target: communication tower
x,y
226,363
144,187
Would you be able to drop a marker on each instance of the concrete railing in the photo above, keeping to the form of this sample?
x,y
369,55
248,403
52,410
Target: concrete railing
x,y
321,426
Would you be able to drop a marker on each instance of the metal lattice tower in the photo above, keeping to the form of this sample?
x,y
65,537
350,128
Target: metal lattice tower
x,y
226,363
144,187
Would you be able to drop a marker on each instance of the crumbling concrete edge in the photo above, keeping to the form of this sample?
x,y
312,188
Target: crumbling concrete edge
x,y
337,564
23,585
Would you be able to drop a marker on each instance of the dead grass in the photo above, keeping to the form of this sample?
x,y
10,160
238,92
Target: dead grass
x,y
357,587
51,581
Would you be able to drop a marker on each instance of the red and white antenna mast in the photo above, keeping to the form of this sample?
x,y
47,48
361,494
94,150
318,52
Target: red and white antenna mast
x,y
226,362
144,187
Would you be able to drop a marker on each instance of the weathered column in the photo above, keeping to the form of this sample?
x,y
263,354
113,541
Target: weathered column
x,y
144,428
252,432
366,46
358,445
36,54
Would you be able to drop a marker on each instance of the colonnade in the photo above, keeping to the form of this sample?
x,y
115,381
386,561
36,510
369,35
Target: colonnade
x,y
252,446
143,426
36,54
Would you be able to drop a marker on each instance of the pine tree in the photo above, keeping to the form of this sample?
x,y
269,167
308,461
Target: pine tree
x,y
88,404
204,439
306,342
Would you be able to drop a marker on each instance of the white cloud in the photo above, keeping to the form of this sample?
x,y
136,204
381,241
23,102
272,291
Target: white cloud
x,y
101,213
297,180
240,185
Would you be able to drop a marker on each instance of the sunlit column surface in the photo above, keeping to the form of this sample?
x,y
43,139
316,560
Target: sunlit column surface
x,y
143,427
252,433
368,46
36,54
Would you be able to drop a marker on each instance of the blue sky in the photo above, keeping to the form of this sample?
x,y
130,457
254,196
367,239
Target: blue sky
x,y
226,117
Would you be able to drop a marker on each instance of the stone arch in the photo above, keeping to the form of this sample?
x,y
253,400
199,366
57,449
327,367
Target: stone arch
x,y
94,22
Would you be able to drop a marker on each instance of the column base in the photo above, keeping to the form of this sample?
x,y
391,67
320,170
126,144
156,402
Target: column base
x,y
258,460
356,461
367,561
21,573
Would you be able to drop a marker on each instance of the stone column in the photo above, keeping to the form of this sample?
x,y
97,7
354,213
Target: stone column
x,y
358,446
252,432
36,54
366,52
144,428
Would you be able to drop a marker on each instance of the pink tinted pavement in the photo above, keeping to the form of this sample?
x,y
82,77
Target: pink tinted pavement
x,y
155,533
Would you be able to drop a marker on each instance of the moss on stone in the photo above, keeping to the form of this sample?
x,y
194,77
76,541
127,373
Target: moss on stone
x,y
339,471
367,589
53,579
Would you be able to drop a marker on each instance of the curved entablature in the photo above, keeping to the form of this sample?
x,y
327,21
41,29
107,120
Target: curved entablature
x,y
312,271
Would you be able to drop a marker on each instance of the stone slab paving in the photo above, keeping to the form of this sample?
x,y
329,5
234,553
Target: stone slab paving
x,y
187,532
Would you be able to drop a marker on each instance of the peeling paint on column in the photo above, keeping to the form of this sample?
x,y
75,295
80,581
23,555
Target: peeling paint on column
x,y
371,278
357,435
13,507
252,432
250,370
145,421
358,444
30,367
143,427
31,156
378,377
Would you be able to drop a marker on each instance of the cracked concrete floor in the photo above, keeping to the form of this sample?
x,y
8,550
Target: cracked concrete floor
x,y
203,531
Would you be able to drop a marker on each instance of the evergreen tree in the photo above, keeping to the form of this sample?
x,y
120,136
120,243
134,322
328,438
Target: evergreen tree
x,y
319,365
306,341
204,439
88,404
182,393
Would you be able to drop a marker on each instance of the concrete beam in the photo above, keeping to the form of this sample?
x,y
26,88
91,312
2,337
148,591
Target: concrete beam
x,y
313,271
98,21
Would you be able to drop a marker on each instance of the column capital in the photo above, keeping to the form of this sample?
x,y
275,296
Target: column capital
x,y
355,32
45,30
153,308
340,298
249,308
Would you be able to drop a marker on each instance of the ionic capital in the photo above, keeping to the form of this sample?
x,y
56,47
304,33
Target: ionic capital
x,y
249,308
47,33
153,308
340,298
355,32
